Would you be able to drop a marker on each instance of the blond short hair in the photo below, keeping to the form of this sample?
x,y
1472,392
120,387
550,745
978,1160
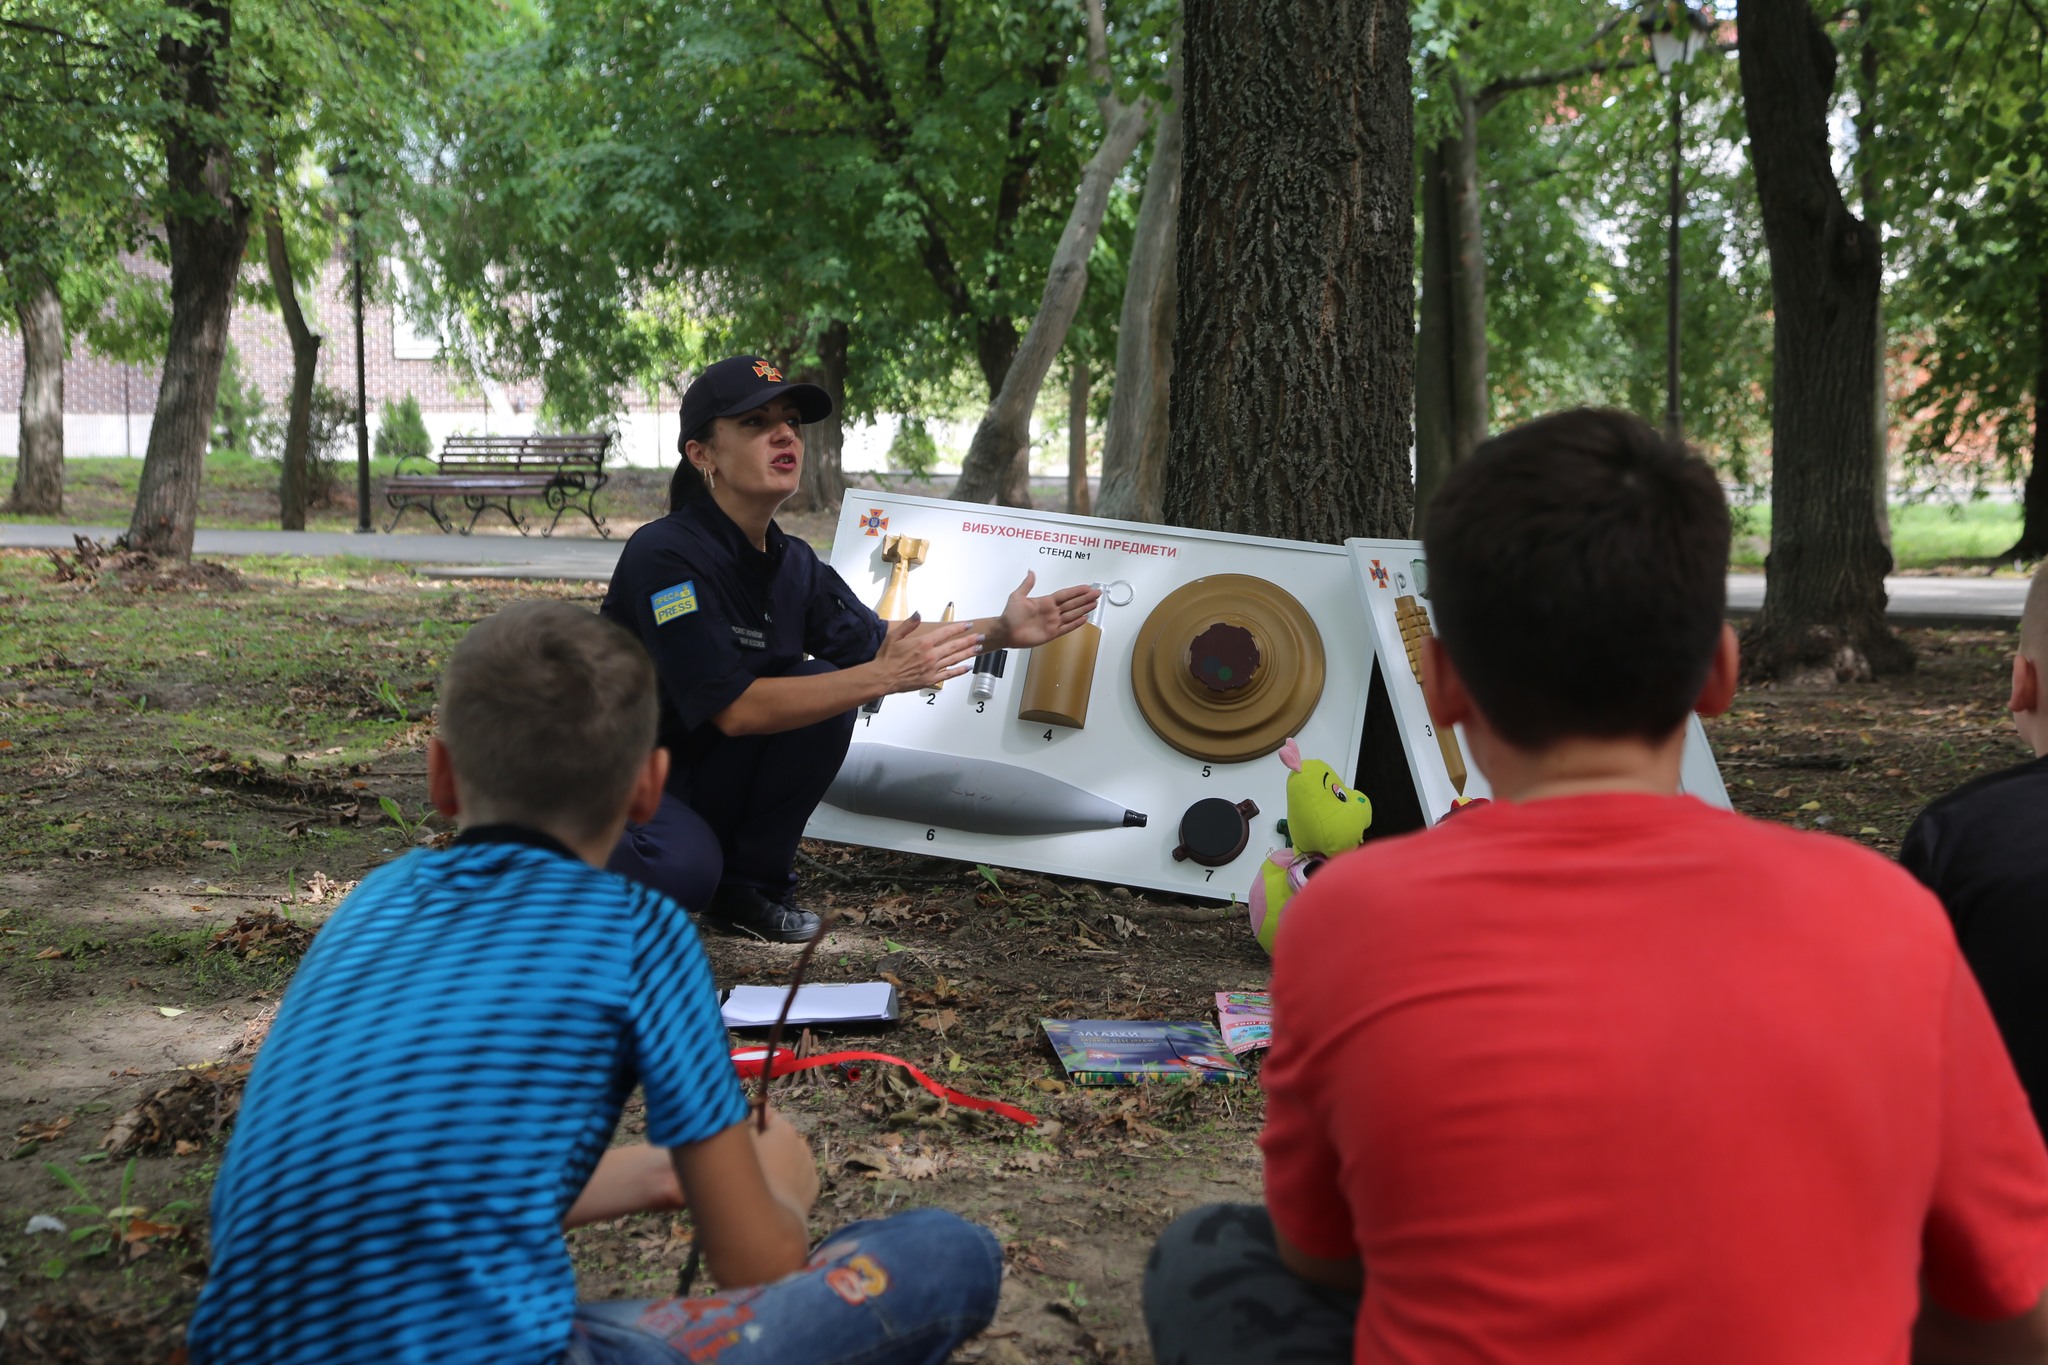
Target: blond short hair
x,y
2034,618
548,712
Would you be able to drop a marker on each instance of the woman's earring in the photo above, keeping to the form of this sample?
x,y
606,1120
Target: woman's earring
x,y
710,479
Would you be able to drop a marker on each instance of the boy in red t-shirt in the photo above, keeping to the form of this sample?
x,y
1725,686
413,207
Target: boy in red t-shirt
x,y
1599,1073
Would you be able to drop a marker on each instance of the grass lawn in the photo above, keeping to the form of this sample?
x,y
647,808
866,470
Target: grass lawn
x,y
1925,535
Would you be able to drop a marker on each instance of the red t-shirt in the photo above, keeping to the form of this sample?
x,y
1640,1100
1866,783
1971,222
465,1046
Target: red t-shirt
x,y
1627,1078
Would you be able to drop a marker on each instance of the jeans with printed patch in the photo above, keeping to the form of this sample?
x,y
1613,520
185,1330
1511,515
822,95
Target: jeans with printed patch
x,y
895,1291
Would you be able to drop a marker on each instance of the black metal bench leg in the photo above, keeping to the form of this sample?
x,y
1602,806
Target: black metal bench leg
x,y
428,507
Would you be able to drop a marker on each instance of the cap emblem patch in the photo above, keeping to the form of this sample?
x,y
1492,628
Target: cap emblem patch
x,y
767,372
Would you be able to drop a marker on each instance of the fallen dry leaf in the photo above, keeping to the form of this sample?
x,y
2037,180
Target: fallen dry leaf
x,y
46,954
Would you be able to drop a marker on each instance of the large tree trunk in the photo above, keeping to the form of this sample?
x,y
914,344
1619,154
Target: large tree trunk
x,y
1134,442
39,474
298,431
2033,541
1077,438
1870,182
206,237
824,477
1824,597
1451,398
1294,351
1005,429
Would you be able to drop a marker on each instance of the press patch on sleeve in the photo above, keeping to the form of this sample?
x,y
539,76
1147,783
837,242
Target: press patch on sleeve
x,y
670,603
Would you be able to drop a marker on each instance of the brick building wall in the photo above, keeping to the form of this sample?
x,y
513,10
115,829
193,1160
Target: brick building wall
x,y
108,404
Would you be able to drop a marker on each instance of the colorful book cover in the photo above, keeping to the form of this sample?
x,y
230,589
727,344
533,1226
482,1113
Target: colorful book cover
x,y
1246,1018
1129,1051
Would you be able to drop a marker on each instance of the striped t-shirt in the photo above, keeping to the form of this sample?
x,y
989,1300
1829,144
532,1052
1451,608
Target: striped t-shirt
x,y
445,1070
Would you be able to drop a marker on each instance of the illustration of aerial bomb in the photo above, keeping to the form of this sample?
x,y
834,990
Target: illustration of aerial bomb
x,y
1414,622
1061,675
974,795
901,554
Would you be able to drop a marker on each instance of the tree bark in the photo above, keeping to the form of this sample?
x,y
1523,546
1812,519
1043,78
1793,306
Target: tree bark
x,y
824,476
1077,438
206,236
1451,393
298,432
2033,541
1824,597
39,473
1870,184
1294,351
986,475
1134,442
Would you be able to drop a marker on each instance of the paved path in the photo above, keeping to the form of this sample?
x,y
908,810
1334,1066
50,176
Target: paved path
x,y
1914,601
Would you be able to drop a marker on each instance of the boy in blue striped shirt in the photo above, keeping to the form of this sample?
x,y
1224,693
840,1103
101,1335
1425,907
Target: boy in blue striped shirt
x,y
436,1100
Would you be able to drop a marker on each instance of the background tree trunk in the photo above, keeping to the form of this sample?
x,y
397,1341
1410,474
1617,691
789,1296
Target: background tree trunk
x,y
1870,185
206,240
1451,393
2033,541
39,474
298,430
1134,442
1294,351
987,474
1077,438
1824,598
824,478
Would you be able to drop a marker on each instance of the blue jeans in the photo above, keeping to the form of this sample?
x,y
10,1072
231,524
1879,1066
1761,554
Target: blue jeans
x,y
896,1291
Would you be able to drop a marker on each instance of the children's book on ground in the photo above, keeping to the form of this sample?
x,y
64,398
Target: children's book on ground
x,y
859,1002
1246,1018
1128,1051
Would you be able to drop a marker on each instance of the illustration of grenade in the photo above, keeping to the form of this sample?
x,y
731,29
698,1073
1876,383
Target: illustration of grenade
x,y
901,554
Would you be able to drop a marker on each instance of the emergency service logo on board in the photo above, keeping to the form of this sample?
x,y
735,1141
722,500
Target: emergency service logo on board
x,y
1379,575
767,372
875,522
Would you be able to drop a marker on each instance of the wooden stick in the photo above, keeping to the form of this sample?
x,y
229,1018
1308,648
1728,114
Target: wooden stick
x,y
796,981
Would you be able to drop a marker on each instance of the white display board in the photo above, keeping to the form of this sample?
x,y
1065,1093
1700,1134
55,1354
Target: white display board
x,y
1392,581
974,557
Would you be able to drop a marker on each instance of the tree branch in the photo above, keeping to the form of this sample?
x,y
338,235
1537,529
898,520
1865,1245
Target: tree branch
x,y
27,27
1493,93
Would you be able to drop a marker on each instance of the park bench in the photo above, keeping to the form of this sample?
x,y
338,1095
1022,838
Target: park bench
x,y
484,472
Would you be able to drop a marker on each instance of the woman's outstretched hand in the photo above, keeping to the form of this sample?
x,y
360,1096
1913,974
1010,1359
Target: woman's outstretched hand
x,y
1028,621
911,659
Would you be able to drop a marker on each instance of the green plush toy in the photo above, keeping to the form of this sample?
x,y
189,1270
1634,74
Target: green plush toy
x,y
1324,818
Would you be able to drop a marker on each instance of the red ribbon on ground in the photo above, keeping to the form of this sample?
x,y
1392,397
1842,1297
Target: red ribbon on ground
x,y
751,1060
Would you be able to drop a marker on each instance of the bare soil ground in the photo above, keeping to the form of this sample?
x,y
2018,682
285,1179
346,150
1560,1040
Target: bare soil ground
x,y
191,774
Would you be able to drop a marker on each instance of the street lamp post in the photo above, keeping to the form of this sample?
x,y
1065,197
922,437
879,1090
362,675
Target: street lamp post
x,y
355,237
1674,38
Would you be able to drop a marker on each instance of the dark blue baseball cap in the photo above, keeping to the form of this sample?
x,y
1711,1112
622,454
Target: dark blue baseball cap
x,y
742,384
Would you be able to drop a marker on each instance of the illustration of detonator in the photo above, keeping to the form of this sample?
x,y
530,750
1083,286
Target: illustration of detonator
x,y
974,795
1414,621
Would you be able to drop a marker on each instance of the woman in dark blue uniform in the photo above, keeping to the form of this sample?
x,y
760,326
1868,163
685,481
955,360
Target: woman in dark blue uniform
x,y
730,608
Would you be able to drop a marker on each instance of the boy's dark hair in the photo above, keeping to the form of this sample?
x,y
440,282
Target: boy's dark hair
x,y
548,711
1578,577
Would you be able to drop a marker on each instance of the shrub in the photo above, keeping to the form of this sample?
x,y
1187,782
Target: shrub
x,y
914,449
240,415
402,431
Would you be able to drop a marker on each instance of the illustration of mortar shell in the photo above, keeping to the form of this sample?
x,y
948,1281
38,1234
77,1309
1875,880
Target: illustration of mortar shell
x,y
945,618
1414,620
901,554
974,795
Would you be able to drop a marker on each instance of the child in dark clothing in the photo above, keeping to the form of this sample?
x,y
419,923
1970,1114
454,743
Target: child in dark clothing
x,y
436,1100
1983,849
